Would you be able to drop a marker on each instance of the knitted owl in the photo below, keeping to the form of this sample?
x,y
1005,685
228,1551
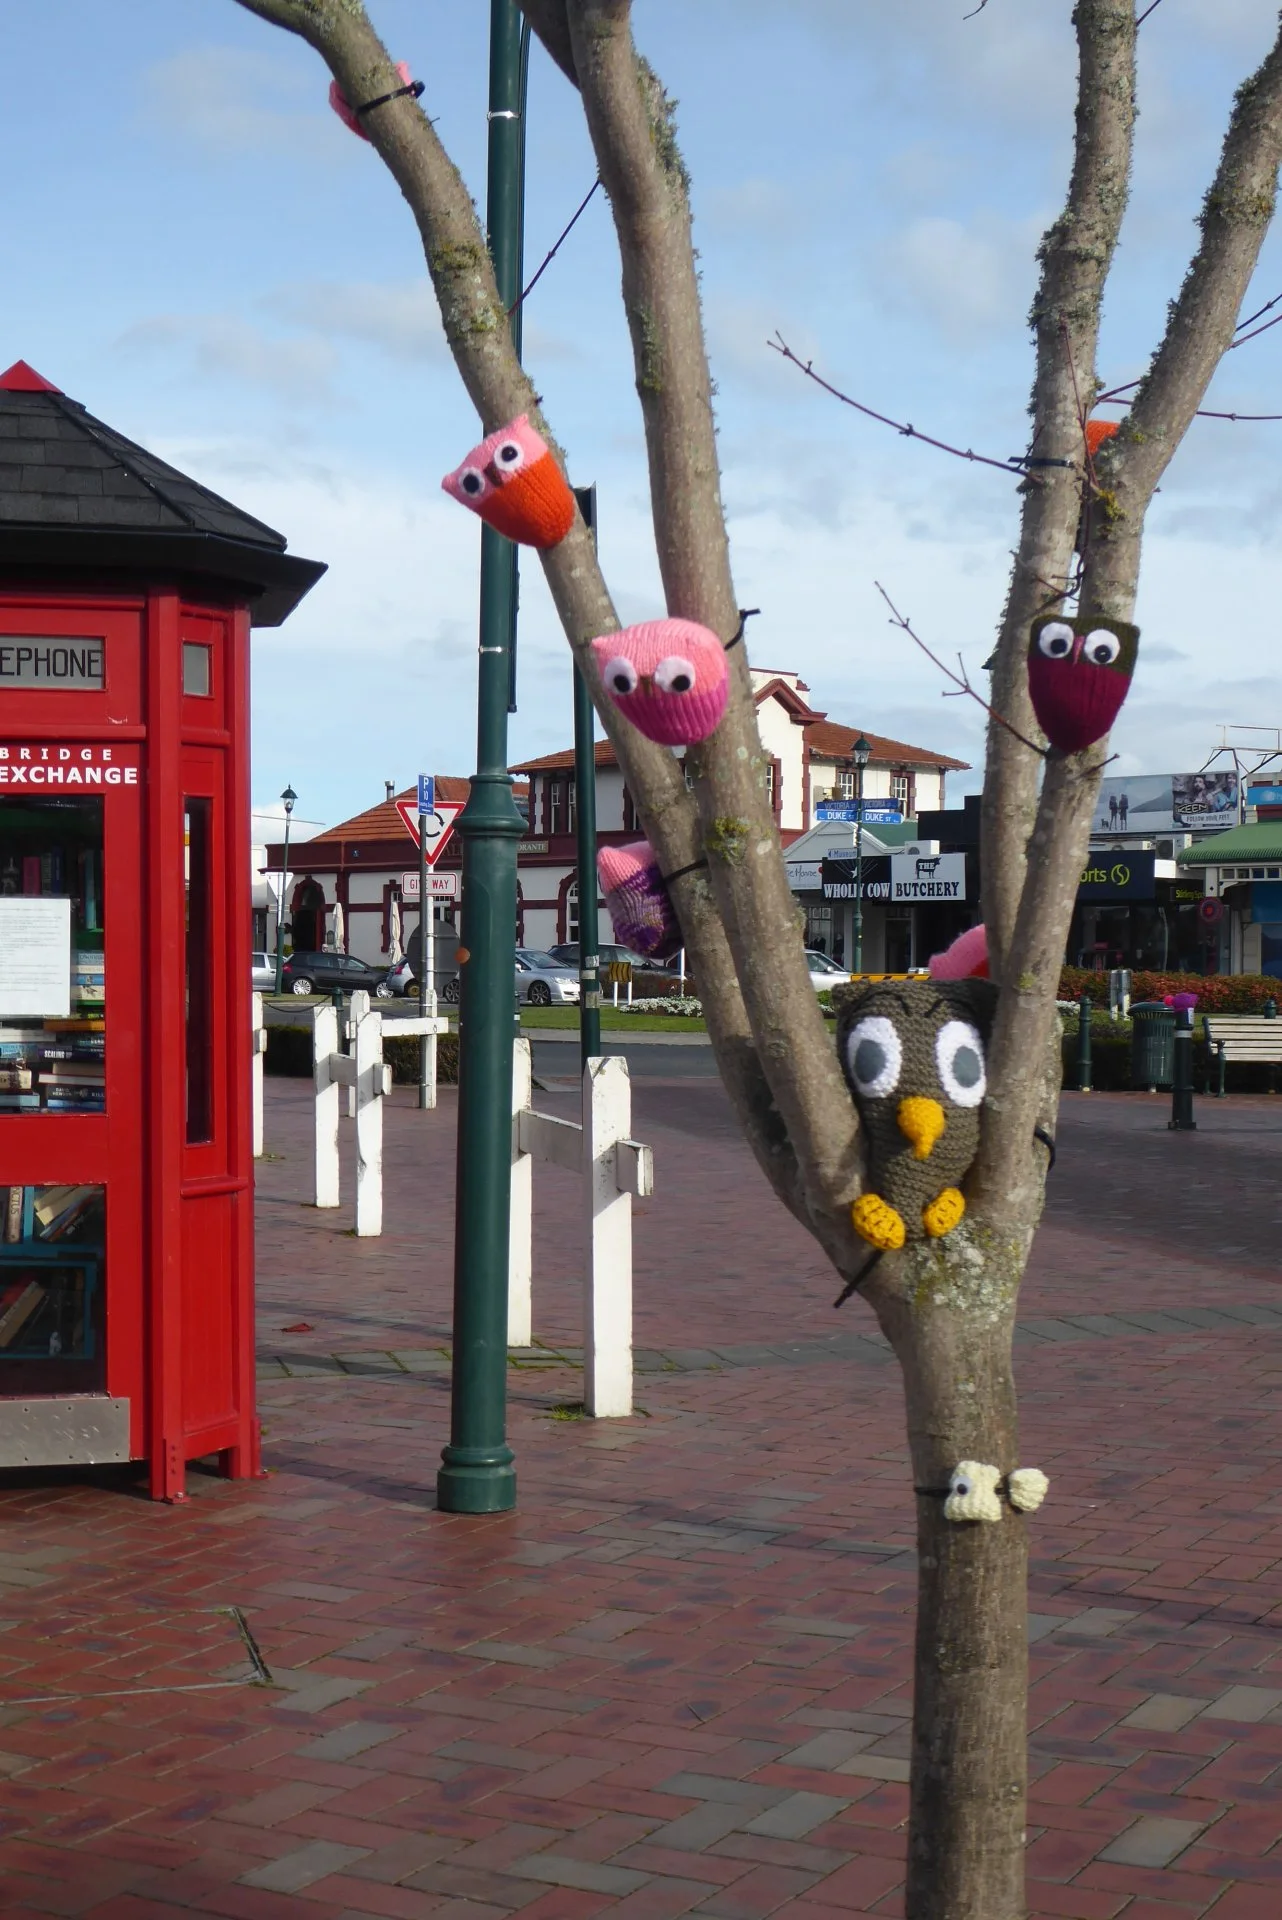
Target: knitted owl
x,y
513,481
912,1052
640,910
339,102
1079,673
668,677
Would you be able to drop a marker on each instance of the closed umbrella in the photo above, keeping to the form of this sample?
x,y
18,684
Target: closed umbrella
x,y
398,951
340,945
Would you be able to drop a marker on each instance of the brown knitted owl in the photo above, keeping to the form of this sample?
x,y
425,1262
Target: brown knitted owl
x,y
912,1052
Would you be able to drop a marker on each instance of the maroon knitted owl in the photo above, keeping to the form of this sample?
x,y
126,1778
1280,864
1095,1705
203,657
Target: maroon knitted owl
x,y
640,910
1079,673
668,677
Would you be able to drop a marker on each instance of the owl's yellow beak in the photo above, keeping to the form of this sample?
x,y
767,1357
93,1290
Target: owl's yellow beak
x,y
921,1121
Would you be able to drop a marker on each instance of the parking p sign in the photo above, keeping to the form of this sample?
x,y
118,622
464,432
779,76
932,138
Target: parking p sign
x,y
427,793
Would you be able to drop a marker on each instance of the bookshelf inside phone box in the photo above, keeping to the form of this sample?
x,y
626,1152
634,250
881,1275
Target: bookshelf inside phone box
x,y
127,594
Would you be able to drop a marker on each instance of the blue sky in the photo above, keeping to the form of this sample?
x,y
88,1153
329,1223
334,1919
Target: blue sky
x,y
201,253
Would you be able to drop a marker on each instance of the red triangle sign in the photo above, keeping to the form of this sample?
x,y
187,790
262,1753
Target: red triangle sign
x,y
20,378
440,825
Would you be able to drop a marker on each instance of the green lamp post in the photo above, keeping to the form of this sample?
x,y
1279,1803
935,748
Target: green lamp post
x,y
477,1474
861,754
288,799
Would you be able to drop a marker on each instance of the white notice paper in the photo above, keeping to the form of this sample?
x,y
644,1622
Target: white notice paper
x,y
35,956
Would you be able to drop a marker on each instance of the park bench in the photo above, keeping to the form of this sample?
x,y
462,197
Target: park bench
x,y
1246,1037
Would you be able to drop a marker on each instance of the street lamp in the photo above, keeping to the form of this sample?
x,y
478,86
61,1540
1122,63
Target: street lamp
x,y
287,799
861,755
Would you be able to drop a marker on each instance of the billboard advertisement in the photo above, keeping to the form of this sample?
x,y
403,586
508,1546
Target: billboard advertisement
x,y
1152,803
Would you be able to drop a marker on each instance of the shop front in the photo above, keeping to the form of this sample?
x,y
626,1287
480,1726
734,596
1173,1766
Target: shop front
x,y
915,903
1136,910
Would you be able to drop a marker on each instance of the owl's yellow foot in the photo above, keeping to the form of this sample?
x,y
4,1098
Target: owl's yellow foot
x,y
875,1221
944,1213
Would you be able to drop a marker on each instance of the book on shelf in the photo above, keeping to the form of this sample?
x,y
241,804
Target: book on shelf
x,y
81,1073
31,873
74,1023
15,1317
13,1215
15,1079
19,1103
52,1202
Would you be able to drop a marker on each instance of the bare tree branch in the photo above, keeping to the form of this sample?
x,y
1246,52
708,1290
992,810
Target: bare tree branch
x,y
630,121
477,330
1076,254
960,680
1235,217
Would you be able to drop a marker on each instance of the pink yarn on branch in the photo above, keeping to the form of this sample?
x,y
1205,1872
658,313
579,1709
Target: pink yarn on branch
x,y
347,114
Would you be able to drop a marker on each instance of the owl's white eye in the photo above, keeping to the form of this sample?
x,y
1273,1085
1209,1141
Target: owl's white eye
x,y
959,1055
674,675
473,483
959,1484
1055,640
1102,647
509,456
874,1056
620,675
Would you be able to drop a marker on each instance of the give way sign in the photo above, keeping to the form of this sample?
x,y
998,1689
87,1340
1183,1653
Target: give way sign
x,y
440,824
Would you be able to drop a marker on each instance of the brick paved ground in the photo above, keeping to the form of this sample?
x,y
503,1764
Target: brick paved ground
x,y
676,1679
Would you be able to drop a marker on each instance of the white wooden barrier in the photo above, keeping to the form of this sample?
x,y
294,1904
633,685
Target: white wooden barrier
x,y
614,1169
259,1032
368,1078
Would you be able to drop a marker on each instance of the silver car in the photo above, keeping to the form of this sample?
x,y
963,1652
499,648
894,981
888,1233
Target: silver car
x,y
541,981
264,973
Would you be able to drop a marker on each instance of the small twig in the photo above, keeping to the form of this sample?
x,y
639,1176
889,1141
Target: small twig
x,y
1151,8
962,681
550,256
1018,465
975,10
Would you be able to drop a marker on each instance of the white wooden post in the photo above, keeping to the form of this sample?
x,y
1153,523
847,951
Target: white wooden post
x,y
607,1278
368,1087
347,1029
324,1047
520,1257
260,1048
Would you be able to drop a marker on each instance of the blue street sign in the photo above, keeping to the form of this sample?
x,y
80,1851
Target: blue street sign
x,y
875,812
427,793
1264,796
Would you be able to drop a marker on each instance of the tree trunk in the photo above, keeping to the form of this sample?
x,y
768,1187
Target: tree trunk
x,y
966,1825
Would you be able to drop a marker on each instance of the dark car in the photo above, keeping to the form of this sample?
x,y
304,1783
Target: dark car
x,y
328,972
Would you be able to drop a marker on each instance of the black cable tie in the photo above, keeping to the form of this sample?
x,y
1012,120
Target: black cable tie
x,y
1037,460
1002,1490
668,878
851,1285
745,614
1048,1141
933,1493
416,87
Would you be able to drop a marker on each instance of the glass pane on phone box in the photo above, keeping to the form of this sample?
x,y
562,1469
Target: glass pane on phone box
x,y
53,989
52,1254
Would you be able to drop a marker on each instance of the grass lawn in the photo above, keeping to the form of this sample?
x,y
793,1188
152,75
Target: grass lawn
x,y
532,1018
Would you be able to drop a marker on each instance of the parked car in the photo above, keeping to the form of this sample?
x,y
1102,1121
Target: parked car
x,y
401,978
264,974
541,981
825,972
328,972
607,953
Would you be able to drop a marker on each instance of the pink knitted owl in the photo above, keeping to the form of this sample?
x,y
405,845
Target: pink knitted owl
x,y
338,100
640,910
513,481
668,677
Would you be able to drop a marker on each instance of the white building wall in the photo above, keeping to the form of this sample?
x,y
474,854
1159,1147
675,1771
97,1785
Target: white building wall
x,y
785,741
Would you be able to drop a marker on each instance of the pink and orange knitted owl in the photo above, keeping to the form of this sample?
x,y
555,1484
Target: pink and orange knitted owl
x,y
1079,673
668,677
513,481
640,910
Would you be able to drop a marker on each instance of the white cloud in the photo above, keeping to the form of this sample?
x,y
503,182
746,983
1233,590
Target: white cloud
x,y
967,280
220,347
232,100
399,316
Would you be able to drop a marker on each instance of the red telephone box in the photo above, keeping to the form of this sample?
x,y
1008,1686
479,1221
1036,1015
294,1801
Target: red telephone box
x,y
127,593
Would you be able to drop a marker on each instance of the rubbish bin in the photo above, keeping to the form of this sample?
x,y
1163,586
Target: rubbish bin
x,y
1152,1044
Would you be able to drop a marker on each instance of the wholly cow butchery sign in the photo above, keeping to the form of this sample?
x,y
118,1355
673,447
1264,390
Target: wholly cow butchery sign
x,y
934,876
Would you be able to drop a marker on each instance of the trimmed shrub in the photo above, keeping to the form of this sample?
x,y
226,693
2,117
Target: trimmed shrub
x,y
1216,992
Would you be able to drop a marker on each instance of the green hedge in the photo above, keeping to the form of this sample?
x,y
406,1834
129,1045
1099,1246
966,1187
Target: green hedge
x,y
289,1052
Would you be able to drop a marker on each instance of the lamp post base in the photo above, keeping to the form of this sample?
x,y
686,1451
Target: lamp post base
x,y
476,1480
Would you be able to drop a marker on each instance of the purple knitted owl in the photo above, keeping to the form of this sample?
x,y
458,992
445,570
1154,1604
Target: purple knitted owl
x,y
640,910
668,677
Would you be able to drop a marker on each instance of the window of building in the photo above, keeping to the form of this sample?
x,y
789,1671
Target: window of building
x,y
569,787
900,785
196,677
846,784
772,784
52,982
572,911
